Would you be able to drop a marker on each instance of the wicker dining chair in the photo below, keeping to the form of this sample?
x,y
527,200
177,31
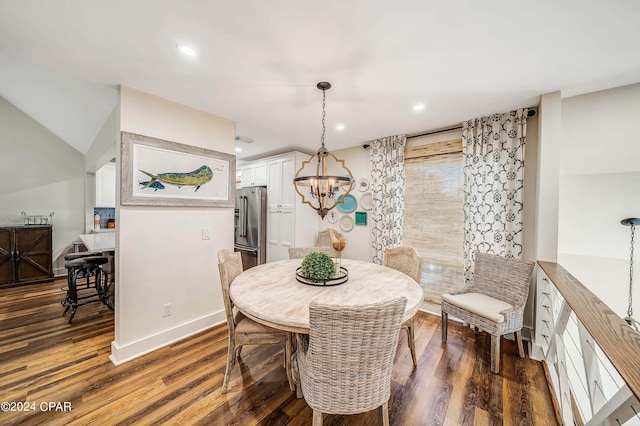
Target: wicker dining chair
x,y
493,301
406,259
243,330
326,238
301,252
345,363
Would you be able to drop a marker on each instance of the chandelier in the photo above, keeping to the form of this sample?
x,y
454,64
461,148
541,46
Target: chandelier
x,y
323,175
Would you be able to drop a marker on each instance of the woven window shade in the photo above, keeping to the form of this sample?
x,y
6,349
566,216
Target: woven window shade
x,y
433,221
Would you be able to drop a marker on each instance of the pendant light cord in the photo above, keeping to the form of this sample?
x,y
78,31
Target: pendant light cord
x,y
323,115
630,308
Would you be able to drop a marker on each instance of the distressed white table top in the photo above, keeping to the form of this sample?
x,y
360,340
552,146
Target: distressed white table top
x,y
104,241
270,293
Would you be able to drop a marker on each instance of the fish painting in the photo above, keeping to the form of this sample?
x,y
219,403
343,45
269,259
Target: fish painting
x,y
195,178
155,185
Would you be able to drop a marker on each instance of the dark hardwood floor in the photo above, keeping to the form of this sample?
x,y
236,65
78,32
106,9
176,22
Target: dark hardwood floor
x,y
45,360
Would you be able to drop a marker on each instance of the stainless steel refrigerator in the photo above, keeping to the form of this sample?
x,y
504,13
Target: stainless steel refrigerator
x,y
251,225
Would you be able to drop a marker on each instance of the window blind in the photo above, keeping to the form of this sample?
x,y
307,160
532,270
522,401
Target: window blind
x,y
433,220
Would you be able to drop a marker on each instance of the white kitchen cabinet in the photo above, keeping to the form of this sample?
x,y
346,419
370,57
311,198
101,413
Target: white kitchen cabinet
x,y
289,222
280,233
253,174
280,174
106,186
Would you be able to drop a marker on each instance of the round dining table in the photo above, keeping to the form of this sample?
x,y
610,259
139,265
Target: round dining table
x,y
271,295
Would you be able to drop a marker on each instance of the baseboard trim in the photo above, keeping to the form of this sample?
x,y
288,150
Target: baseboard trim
x,y
124,353
536,353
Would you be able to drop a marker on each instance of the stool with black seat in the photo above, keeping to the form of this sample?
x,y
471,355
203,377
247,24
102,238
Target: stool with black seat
x,y
87,281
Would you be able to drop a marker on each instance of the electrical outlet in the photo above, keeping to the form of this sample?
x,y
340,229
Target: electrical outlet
x,y
166,310
205,233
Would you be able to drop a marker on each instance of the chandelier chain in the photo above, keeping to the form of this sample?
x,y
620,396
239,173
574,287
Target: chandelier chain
x,y
630,308
323,115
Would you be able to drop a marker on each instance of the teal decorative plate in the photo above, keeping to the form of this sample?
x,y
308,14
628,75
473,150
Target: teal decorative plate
x,y
361,218
349,205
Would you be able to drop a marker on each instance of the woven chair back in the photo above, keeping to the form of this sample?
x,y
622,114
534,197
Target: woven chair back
x,y
502,278
326,238
301,252
404,259
350,356
229,267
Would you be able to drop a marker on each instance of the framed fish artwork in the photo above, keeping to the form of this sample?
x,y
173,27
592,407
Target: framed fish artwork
x,y
155,172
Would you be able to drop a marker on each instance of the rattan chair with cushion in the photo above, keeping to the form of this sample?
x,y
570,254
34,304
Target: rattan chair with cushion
x,y
345,364
243,330
301,252
493,301
406,259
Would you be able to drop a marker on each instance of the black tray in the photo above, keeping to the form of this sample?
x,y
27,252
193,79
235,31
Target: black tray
x,y
341,277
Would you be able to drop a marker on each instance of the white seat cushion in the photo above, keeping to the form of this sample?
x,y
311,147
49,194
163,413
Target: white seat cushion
x,y
479,304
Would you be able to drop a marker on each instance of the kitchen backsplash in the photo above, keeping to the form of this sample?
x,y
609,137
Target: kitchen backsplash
x,y
105,213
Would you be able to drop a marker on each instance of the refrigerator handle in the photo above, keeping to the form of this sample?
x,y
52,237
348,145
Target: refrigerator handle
x,y
243,216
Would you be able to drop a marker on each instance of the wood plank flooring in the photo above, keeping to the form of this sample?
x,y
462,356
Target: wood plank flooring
x,y
44,359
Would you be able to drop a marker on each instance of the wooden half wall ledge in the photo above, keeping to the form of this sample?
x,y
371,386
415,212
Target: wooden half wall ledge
x,y
619,342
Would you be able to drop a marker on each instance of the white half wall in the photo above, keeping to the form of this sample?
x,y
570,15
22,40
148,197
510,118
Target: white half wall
x,y
161,257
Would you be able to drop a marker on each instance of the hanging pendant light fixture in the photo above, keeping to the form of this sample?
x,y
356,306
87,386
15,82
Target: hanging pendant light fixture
x,y
632,222
323,174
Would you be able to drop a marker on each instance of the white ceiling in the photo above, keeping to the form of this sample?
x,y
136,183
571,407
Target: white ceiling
x,y
259,61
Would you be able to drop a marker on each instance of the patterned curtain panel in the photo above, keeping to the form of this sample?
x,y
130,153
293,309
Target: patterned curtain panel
x,y
493,149
387,176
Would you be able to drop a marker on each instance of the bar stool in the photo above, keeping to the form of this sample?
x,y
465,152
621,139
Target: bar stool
x,y
87,281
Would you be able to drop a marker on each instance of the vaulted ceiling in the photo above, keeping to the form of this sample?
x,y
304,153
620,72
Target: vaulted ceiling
x,y
258,61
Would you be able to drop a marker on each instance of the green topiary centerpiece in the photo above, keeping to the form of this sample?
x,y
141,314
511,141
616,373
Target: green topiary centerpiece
x,y
318,266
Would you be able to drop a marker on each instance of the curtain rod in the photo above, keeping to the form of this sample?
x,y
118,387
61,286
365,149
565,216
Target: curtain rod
x,y
531,113
435,132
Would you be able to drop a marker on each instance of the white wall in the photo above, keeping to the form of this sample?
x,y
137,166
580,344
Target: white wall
x,y
105,145
358,239
40,174
160,255
546,219
102,150
600,186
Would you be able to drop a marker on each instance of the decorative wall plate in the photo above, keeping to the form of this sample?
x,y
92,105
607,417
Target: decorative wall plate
x,y
332,216
366,201
350,203
363,185
361,218
346,223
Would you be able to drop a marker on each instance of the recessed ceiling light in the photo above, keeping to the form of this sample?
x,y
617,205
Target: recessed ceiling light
x,y
418,107
238,149
339,126
186,49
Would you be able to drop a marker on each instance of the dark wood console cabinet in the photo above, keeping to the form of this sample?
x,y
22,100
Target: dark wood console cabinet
x,y
25,254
